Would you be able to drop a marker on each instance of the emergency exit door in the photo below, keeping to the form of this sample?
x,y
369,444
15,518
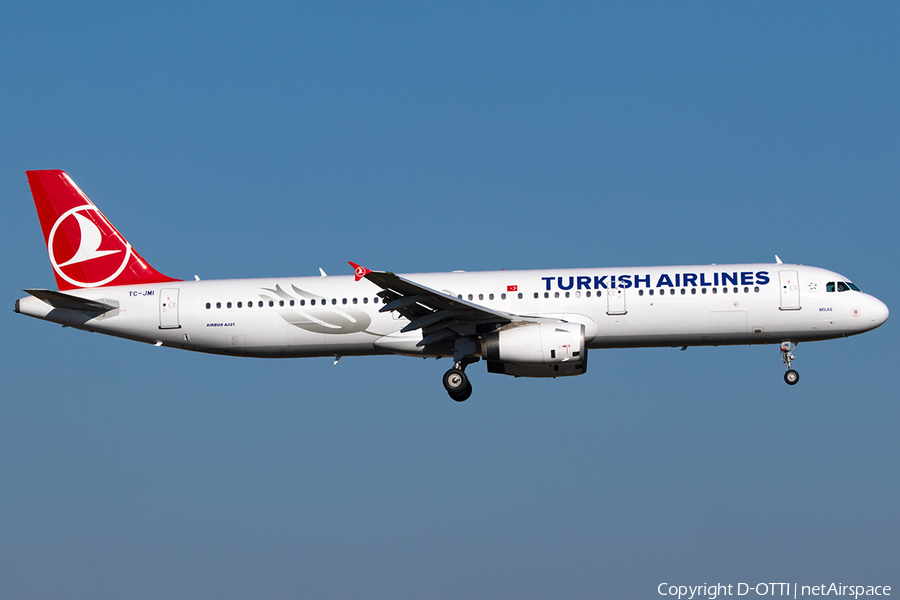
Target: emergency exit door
x,y
615,301
790,290
168,308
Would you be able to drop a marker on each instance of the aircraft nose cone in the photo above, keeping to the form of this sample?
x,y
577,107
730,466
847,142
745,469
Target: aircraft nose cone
x,y
879,312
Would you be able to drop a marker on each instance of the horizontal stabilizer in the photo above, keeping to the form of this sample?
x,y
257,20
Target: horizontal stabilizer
x,y
60,300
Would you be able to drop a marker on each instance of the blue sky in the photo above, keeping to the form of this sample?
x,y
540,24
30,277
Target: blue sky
x,y
227,140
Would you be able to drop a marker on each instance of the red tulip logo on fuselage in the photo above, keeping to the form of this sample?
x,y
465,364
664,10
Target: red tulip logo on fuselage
x,y
89,265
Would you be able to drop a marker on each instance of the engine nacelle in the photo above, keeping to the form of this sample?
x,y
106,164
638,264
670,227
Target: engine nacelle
x,y
536,350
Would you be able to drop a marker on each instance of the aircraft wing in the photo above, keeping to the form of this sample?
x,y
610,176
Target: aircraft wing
x,y
69,302
440,316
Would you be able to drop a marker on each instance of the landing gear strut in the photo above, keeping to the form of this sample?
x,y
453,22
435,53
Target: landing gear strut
x,y
791,377
456,383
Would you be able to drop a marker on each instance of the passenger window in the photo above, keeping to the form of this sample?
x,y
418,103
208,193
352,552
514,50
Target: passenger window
x,y
333,301
481,296
281,303
640,292
271,303
240,305
577,294
470,296
292,302
354,301
587,294
746,290
735,290
503,296
704,290
218,305
375,300
756,289
829,287
344,301
683,292
208,305
228,305
520,295
693,290
491,297
260,304
724,290
303,303
536,295
556,294
715,291
547,294
312,302
651,292
365,300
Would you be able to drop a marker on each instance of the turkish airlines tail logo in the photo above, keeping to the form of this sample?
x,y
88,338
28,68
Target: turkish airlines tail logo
x,y
89,247
85,249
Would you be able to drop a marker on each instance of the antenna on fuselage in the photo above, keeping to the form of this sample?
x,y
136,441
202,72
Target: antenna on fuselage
x,y
778,260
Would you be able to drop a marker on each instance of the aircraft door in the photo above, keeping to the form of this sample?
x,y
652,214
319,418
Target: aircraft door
x,y
790,290
168,308
615,301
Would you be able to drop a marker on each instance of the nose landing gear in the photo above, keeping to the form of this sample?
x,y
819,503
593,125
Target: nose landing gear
x,y
791,377
457,384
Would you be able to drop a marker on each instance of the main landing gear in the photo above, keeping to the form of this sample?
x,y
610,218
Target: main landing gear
x,y
457,384
791,377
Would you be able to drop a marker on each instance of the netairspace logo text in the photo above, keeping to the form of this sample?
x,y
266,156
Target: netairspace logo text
x,y
713,591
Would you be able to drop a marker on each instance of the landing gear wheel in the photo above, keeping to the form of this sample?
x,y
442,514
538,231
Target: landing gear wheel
x,y
463,395
791,377
456,382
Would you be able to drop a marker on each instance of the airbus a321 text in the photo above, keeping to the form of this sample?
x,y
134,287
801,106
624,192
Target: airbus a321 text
x,y
537,323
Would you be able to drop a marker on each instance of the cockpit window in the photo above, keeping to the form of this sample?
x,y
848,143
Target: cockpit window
x,y
843,287
853,287
829,287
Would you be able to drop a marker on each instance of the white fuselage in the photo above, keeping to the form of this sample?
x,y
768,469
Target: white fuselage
x,y
619,307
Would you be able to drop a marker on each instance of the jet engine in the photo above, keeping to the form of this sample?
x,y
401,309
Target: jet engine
x,y
536,350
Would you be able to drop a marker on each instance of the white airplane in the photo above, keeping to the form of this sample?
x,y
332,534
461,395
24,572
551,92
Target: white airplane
x,y
538,323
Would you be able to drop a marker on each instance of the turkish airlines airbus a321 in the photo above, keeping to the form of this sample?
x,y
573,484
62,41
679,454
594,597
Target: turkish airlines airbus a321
x,y
522,323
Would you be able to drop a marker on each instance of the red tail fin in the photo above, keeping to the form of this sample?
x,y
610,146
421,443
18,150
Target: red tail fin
x,y
85,250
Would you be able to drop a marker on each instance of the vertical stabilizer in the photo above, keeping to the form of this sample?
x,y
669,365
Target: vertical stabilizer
x,y
85,250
